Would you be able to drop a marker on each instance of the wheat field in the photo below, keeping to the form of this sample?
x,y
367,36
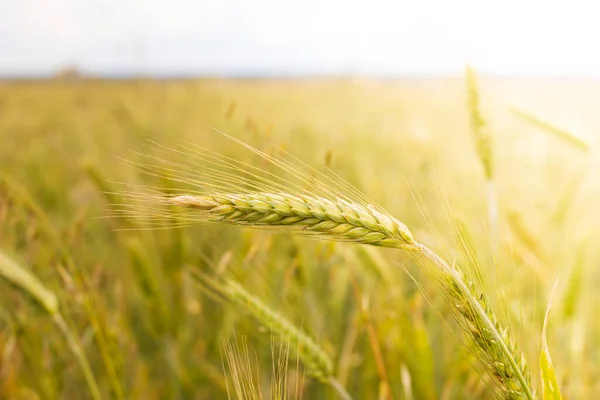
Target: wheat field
x,y
120,281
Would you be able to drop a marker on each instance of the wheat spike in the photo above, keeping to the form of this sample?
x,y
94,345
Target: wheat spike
x,y
315,359
337,220
481,135
493,344
317,362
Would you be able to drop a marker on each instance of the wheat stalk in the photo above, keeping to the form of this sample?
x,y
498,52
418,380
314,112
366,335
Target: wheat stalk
x,y
225,190
344,221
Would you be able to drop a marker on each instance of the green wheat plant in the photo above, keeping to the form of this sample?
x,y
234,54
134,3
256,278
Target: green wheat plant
x,y
19,276
283,197
17,191
317,362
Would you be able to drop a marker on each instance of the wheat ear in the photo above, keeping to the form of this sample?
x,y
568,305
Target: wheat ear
x,y
483,142
346,221
481,134
317,362
332,219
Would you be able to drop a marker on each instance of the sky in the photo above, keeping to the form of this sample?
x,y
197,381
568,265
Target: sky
x,y
302,37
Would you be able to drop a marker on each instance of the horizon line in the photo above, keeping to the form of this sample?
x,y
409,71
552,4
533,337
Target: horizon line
x,y
75,74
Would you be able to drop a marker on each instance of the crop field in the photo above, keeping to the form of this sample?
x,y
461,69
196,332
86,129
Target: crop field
x,y
314,238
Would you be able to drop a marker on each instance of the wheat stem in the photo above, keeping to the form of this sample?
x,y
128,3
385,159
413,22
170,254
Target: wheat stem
x,y
492,206
337,386
79,355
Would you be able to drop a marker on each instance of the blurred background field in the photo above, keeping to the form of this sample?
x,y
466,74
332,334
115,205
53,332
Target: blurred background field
x,y
150,331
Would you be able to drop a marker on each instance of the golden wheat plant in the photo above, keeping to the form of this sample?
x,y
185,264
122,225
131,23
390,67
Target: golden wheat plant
x,y
483,142
286,195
